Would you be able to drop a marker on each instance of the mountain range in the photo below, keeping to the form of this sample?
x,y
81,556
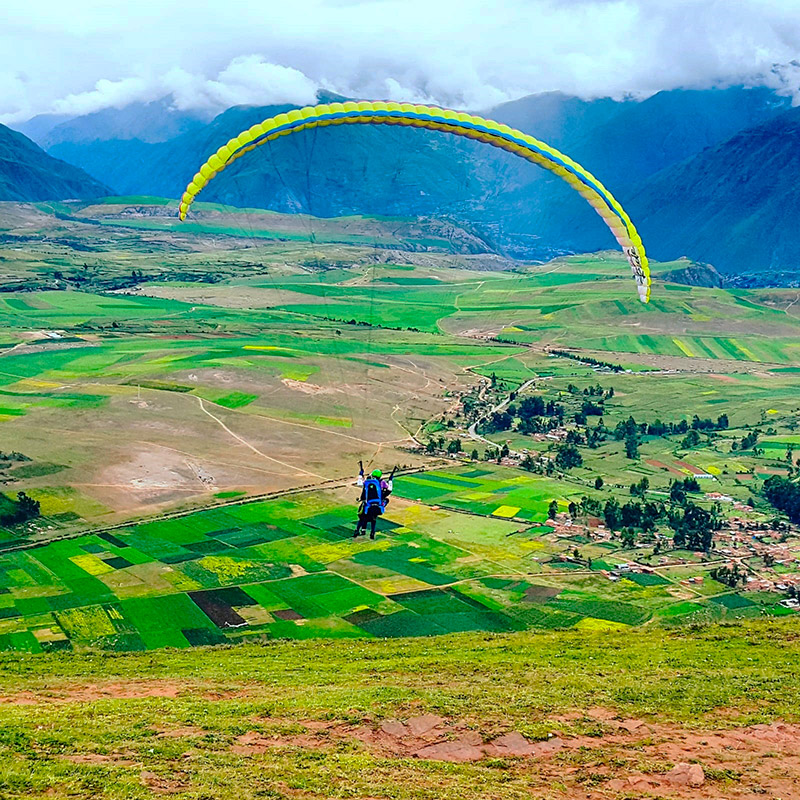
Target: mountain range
x,y
703,173
27,173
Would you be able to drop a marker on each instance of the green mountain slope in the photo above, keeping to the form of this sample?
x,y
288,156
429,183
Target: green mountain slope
x,y
27,173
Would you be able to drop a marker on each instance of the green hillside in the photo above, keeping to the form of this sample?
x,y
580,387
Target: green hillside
x,y
549,715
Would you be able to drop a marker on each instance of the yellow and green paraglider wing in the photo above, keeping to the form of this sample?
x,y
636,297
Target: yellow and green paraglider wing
x,y
437,119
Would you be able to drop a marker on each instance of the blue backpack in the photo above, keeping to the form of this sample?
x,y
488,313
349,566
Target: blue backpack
x,y
373,495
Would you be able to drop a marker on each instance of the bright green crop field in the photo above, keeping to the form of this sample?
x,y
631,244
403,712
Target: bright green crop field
x,y
290,568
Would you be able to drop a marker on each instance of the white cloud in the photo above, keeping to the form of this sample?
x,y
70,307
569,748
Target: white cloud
x,y
106,94
247,80
89,54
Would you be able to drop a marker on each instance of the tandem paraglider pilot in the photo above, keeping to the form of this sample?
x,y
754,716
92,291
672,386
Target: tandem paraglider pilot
x,y
375,491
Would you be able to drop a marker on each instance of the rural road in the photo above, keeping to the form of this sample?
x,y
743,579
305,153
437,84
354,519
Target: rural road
x,y
472,430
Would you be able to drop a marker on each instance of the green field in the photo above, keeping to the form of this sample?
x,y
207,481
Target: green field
x,y
290,568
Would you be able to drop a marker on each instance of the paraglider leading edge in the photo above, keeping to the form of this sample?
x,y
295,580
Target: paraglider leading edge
x,y
455,122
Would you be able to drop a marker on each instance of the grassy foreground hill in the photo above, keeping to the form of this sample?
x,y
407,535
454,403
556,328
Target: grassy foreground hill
x,y
710,712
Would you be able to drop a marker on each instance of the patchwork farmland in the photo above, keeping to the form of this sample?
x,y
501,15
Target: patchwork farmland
x,y
163,408
463,549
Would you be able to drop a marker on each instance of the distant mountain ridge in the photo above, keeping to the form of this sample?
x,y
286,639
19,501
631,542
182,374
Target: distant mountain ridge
x,y
27,173
736,203
647,153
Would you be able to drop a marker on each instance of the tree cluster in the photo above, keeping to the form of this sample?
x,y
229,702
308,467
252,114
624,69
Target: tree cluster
x,y
631,515
13,456
589,360
694,527
730,576
783,494
24,509
679,489
567,457
748,442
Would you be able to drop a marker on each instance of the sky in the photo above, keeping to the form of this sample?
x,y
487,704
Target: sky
x,y
81,56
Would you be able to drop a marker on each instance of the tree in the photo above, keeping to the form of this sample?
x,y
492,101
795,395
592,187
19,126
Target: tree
x,y
631,515
474,454
504,451
552,510
677,493
692,439
749,441
531,407
651,513
454,446
430,447
612,515
591,409
628,537
639,489
499,421
573,509
568,456
598,482
632,445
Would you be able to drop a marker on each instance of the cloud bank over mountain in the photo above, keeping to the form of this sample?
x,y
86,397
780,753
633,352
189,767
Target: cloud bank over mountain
x,y
88,55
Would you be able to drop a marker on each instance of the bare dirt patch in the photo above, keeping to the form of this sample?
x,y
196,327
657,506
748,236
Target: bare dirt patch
x,y
307,388
162,784
627,758
114,759
93,692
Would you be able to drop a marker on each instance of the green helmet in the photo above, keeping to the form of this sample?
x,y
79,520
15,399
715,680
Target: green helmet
x,y
376,473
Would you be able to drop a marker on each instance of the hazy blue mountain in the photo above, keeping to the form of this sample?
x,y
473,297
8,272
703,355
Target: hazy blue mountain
x,y
735,205
39,126
558,119
624,151
27,173
156,121
146,149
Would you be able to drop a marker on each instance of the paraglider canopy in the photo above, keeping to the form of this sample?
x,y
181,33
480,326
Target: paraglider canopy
x,y
438,119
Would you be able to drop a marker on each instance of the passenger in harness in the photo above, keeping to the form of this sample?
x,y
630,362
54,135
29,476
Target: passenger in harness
x,y
374,497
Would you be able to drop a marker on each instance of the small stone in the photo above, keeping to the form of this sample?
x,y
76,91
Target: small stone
x,y
472,738
550,746
456,752
419,726
631,725
394,727
686,775
513,744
